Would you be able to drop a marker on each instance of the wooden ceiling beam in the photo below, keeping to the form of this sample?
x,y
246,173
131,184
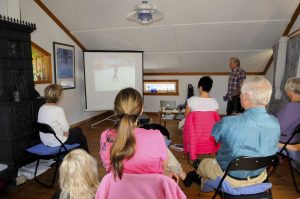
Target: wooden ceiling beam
x,y
195,73
59,23
292,21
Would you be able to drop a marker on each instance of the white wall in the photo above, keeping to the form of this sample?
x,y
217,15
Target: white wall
x,y
270,73
47,31
3,7
10,8
152,103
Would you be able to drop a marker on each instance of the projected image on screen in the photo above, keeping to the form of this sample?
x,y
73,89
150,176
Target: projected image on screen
x,y
110,75
106,73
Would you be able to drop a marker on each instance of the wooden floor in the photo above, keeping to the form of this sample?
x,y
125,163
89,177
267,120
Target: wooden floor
x,y
282,184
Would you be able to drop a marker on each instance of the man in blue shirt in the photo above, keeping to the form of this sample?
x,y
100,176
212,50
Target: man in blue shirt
x,y
254,133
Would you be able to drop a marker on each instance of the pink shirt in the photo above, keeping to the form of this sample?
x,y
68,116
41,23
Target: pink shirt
x,y
149,155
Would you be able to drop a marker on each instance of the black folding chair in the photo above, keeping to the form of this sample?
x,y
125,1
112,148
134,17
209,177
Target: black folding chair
x,y
45,152
289,159
248,164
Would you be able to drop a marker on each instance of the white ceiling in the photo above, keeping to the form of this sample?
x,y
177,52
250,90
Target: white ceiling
x,y
194,36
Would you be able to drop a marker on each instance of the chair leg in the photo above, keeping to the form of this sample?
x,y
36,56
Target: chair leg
x,y
53,179
36,168
270,193
189,159
215,194
270,190
35,177
293,175
56,168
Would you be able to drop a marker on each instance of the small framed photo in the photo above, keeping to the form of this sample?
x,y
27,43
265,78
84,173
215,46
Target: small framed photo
x,y
64,65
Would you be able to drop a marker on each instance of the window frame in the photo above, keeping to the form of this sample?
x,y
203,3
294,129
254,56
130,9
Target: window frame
x,y
172,81
46,60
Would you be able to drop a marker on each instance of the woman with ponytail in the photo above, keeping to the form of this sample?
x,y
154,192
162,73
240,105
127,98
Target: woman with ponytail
x,y
128,149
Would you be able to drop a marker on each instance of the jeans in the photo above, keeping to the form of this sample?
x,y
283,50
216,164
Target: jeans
x,y
234,105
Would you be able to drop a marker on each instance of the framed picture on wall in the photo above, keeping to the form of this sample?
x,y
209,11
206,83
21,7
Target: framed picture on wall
x,y
64,65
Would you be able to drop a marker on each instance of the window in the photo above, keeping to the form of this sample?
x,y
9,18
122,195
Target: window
x,y
41,62
161,87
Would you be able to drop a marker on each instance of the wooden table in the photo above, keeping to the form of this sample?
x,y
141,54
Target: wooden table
x,y
167,112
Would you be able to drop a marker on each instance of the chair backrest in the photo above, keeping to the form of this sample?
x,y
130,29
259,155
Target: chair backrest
x,y
159,127
296,131
248,164
287,153
252,163
45,128
197,138
139,186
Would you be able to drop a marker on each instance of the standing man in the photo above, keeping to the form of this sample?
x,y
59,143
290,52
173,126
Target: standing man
x,y
235,81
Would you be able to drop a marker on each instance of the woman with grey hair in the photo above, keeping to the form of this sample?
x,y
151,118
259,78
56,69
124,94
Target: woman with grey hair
x,y
289,116
289,119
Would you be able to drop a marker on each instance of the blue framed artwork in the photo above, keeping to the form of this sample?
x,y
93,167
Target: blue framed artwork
x,y
64,65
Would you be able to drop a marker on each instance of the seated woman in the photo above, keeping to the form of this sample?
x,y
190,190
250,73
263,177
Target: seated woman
x,y
203,102
128,149
78,176
204,114
289,119
53,115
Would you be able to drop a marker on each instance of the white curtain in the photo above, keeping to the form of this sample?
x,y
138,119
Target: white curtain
x,y
298,68
280,66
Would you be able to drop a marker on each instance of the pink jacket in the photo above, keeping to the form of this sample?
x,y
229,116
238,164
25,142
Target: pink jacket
x,y
147,186
197,138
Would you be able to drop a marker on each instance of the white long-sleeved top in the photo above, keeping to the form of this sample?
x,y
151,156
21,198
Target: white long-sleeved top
x,y
202,104
55,117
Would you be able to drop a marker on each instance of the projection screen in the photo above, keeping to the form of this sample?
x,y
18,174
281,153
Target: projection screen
x,y
107,72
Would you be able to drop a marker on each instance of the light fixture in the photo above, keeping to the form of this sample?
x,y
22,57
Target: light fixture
x,y
145,13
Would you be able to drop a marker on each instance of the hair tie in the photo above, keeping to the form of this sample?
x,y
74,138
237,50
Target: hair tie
x,y
128,115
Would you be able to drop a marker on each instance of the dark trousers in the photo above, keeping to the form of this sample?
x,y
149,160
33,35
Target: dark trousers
x,y
76,136
234,105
